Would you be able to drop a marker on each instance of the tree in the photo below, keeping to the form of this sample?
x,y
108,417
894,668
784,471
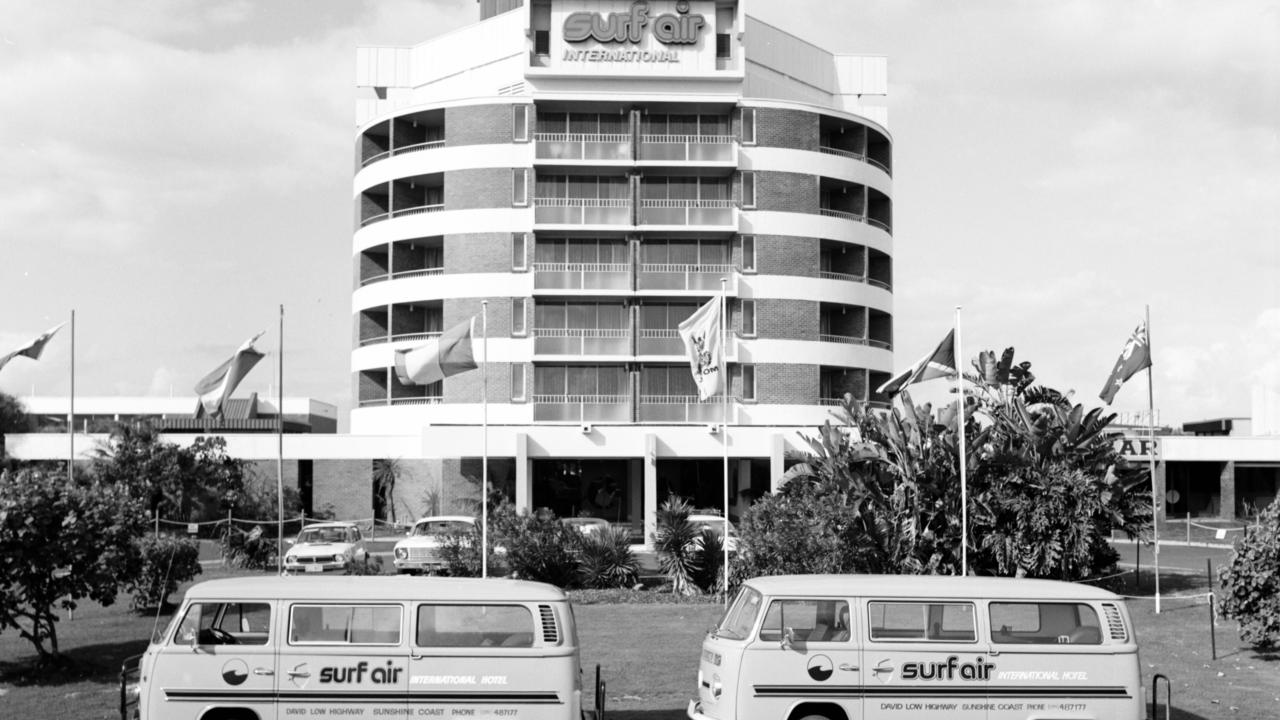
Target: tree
x,y
13,419
61,542
1251,583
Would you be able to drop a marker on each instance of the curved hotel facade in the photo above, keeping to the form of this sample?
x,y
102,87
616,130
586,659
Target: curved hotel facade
x,y
580,177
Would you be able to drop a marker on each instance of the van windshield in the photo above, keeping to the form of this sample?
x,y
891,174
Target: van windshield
x,y
741,616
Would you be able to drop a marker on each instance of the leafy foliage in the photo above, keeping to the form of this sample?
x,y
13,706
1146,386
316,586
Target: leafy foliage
x,y
1251,582
539,546
605,560
252,550
166,562
676,545
61,542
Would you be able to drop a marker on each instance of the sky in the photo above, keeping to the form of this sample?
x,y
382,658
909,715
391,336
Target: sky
x,y
175,171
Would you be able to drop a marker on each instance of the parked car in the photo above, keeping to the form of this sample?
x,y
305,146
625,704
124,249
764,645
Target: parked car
x,y
588,526
326,547
419,551
715,523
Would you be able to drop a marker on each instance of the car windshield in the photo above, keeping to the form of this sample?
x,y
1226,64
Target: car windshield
x,y
440,527
322,535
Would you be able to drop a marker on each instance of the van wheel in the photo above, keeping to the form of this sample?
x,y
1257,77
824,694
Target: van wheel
x,y
230,714
812,716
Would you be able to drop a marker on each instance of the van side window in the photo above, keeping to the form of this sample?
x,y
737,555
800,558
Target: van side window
x,y
474,626
942,622
817,620
1045,624
344,625
225,624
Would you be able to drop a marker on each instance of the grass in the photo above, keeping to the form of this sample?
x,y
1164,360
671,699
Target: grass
x,y
648,654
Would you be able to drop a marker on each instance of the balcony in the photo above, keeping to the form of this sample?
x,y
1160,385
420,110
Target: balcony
x,y
403,274
431,145
581,276
855,217
583,146
581,408
680,409
660,341
582,211
582,341
861,157
403,212
688,148
674,276
697,213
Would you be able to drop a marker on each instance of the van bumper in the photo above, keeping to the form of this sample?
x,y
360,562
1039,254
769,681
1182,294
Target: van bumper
x,y
694,711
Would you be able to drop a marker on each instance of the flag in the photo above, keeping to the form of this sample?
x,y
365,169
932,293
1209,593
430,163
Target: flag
x,y
939,363
217,386
702,343
1135,356
32,349
440,357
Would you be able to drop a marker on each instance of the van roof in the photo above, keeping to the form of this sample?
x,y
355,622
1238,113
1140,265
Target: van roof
x,y
391,587
929,586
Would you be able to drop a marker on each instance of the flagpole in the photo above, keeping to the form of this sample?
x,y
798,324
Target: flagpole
x,y
724,433
280,447
1151,458
71,406
964,457
484,416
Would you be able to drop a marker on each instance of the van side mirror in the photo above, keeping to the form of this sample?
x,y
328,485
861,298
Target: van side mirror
x,y
788,638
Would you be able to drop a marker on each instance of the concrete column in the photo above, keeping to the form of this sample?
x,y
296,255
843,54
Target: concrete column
x,y
1227,491
736,500
635,490
777,462
650,489
524,474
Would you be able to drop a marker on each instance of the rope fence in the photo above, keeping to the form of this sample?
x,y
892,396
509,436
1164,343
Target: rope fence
x,y
370,527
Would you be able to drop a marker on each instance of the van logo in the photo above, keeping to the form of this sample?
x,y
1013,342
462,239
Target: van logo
x,y
235,672
884,671
820,667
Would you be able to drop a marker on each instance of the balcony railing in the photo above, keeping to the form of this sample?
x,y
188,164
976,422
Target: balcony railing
x,y
686,212
582,341
398,337
581,408
851,277
423,272
680,409
582,211
433,400
582,276
417,210
855,156
660,341
843,339
679,276
856,217
687,148
583,146
401,150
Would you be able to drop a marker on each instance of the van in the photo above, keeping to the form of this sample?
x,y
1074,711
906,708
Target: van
x,y
877,647
262,648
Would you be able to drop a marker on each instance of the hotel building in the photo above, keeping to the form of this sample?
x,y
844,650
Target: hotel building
x,y
579,177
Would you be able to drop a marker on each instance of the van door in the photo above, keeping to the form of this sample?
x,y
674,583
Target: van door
x,y
805,659
340,657
924,660
222,654
1058,658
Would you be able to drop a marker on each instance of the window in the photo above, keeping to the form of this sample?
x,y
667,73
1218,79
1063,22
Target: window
x,y
818,620
519,251
225,624
910,621
474,626
748,318
748,126
748,383
737,623
1045,624
344,624
518,313
520,123
517,382
541,42
519,187
723,45
748,189
748,253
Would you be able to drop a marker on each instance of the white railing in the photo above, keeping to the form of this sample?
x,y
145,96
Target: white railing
x,y
863,157
580,267
689,139
424,272
582,137
402,401
400,150
685,268
416,210
659,333
583,202
581,332
844,339
402,337
582,399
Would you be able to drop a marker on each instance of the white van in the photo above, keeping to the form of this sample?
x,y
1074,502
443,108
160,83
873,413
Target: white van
x,y
262,648
876,647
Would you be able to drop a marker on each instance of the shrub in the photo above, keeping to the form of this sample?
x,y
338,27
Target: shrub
x,y
460,550
540,548
605,560
675,542
166,563
1251,582
252,550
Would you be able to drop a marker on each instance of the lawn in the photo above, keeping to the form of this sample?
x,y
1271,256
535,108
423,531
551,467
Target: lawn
x,y
648,654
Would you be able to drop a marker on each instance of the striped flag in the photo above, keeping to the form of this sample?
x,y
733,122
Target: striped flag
x,y
1135,356
32,349
438,358
702,343
939,363
217,386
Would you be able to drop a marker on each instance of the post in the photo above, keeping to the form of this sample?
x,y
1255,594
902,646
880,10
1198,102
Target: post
x,y
1137,565
1208,571
157,517
280,449
1156,501
484,460
964,456
1188,518
1213,630
724,429
71,407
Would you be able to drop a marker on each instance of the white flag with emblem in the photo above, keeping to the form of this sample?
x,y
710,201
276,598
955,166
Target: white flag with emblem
x,y
704,346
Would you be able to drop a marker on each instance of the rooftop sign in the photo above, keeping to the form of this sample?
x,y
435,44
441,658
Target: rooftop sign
x,y
680,28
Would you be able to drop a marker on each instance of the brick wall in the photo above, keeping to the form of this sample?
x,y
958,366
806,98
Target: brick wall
x,y
477,188
346,485
369,205
779,319
372,323
786,192
794,129
477,125
786,255
457,310
477,253
371,388
787,384
465,387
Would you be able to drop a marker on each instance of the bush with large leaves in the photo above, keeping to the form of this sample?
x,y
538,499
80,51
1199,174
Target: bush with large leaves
x,y
1251,582
605,560
166,562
